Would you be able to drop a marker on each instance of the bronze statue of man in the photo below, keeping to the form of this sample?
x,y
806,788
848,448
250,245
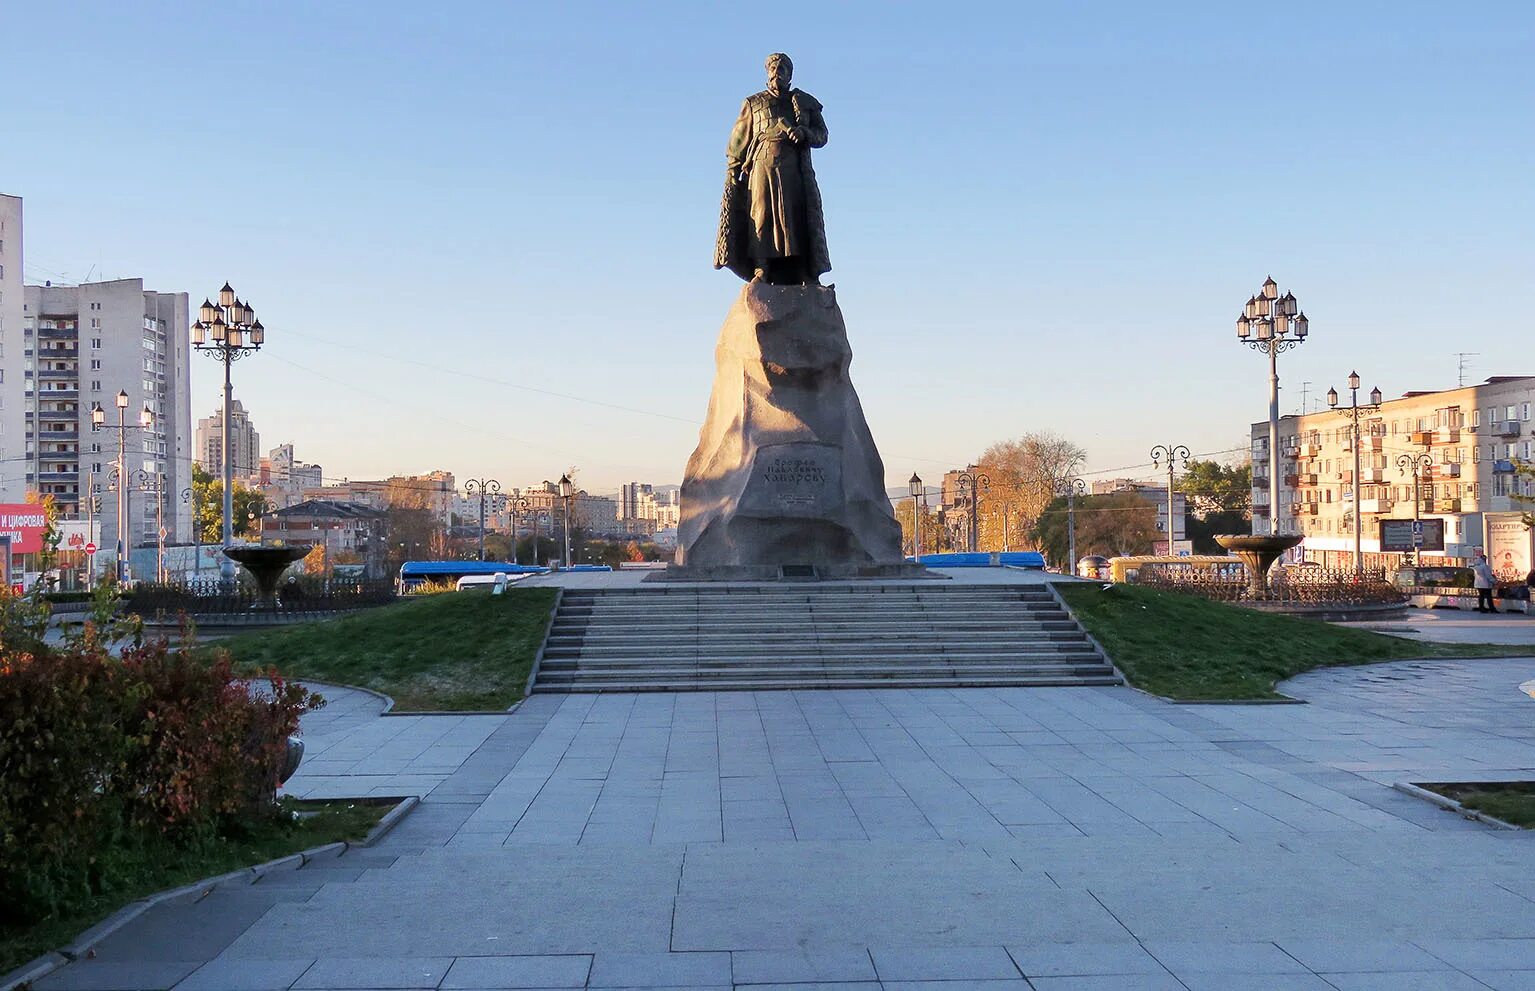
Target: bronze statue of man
x,y
771,224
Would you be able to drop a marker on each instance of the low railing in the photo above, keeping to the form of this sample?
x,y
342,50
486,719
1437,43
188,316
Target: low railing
x,y
1287,586
296,599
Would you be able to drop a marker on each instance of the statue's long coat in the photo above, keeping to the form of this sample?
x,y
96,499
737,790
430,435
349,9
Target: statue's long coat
x,y
741,247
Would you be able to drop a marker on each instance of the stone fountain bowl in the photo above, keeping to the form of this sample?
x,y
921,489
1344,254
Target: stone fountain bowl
x,y
1258,552
266,564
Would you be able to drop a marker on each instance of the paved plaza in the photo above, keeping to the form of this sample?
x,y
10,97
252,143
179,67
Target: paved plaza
x,y
1072,838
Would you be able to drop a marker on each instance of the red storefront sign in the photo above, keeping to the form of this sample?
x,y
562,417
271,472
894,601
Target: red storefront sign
x,y
24,523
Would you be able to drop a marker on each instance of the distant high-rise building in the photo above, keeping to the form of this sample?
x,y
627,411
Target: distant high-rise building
x,y
630,495
80,346
13,445
286,477
243,439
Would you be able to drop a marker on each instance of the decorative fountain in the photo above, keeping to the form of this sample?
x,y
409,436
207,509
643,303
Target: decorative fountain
x,y
265,564
1258,552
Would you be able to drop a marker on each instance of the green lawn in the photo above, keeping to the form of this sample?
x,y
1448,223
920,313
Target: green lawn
x,y
454,651
1513,801
160,866
1185,647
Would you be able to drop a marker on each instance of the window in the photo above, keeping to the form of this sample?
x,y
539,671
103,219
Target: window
x,y
1476,454
1524,412
95,385
95,344
1508,412
95,364
1476,417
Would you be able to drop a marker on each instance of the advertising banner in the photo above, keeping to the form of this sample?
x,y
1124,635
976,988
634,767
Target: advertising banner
x,y
24,523
1507,545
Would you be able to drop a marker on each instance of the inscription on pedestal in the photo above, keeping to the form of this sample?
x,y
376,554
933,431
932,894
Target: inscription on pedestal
x,y
800,480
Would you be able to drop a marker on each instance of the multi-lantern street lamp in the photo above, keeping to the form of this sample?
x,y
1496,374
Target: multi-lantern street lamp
x,y
971,484
517,509
1072,487
1353,412
99,422
1417,465
1170,453
1272,324
484,487
228,331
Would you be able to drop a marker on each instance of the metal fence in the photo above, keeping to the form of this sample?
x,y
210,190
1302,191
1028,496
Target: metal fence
x,y
307,596
1298,586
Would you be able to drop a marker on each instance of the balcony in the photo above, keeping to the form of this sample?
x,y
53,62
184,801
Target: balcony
x,y
1368,475
1346,477
1446,505
1504,428
1446,471
1447,435
1375,505
1307,478
57,333
58,476
57,435
56,374
1502,467
1304,509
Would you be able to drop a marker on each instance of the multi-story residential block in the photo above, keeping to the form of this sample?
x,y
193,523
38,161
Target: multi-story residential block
x,y
13,446
81,345
244,441
643,510
1472,436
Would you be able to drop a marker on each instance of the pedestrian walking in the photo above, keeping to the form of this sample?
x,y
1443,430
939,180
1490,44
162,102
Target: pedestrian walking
x,y
1484,580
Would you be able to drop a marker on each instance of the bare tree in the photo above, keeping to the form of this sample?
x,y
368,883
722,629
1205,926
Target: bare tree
x,y
1025,475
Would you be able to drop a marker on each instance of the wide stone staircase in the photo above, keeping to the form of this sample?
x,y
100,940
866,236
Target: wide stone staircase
x,y
854,635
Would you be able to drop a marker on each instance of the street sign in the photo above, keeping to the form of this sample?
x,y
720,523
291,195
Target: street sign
x,y
1397,536
163,532
90,548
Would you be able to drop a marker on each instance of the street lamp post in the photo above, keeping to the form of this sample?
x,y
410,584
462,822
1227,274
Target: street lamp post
x,y
189,495
974,483
516,507
567,492
235,333
1353,412
1074,487
1171,453
1272,324
482,487
915,487
99,422
1417,464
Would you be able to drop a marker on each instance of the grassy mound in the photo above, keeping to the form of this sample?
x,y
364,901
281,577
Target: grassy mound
x,y
1185,647
457,651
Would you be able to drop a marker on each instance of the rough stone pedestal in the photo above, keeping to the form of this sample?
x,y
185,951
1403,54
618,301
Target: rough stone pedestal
x,y
786,477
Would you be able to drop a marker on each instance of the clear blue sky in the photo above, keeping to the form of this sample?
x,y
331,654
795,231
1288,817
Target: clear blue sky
x,y
1041,215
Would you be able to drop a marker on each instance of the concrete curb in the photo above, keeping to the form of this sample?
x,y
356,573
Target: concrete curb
x,y
538,658
1408,788
1060,600
391,819
32,970
390,710
84,944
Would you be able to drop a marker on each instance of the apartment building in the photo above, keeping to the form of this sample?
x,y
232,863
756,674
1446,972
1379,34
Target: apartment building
x,y
244,441
643,510
283,477
81,345
1471,436
13,446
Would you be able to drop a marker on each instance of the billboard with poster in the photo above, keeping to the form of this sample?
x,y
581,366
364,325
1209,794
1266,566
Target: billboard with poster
x,y
1399,536
1507,543
24,523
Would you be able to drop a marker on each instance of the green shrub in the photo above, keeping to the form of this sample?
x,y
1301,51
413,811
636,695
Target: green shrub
x,y
100,755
